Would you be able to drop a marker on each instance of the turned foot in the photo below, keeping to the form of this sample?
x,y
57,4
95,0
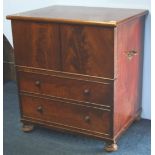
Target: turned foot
x,y
27,127
111,147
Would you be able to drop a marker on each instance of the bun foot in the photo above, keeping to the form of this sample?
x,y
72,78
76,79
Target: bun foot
x,y
111,147
27,127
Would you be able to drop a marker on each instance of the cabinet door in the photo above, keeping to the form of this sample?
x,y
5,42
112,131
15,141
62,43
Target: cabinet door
x,y
36,44
87,50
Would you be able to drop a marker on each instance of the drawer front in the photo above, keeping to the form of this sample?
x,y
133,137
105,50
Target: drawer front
x,y
78,90
67,114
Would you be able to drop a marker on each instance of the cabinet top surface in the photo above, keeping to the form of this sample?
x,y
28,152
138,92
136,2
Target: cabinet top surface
x,y
80,14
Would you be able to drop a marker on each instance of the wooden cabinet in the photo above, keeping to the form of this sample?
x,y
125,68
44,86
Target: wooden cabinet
x,y
79,69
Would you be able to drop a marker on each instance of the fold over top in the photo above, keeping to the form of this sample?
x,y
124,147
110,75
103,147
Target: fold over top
x,y
80,15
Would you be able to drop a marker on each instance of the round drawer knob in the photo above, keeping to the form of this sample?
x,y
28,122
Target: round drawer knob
x,y
37,83
40,109
87,92
87,119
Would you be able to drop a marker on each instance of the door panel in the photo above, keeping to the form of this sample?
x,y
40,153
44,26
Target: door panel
x,y
36,44
87,50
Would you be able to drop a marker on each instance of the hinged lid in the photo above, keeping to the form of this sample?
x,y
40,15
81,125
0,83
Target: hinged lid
x,y
80,15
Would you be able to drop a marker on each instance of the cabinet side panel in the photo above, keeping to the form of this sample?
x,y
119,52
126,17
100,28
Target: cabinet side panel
x,y
36,44
127,87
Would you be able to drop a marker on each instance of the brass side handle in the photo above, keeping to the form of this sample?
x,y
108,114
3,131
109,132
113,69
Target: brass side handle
x,y
40,109
87,119
131,53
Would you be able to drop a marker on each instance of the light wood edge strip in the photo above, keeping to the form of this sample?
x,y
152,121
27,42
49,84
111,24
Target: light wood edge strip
x,y
61,20
74,102
64,126
65,75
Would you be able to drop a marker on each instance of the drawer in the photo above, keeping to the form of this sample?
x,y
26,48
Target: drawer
x,y
73,89
70,115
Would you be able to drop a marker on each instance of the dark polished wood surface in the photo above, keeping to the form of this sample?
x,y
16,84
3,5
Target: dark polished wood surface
x,y
69,48
80,73
36,44
80,15
86,48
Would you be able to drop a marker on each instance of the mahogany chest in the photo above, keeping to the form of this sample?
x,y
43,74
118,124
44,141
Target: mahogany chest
x,y
79,69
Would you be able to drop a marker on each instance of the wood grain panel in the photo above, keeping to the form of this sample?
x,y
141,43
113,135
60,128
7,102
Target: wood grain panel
x,y
127,93
36,44
88,50
68,114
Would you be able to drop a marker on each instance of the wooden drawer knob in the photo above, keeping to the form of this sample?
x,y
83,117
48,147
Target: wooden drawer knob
x,y
87,92
40,109
37,83
87,119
